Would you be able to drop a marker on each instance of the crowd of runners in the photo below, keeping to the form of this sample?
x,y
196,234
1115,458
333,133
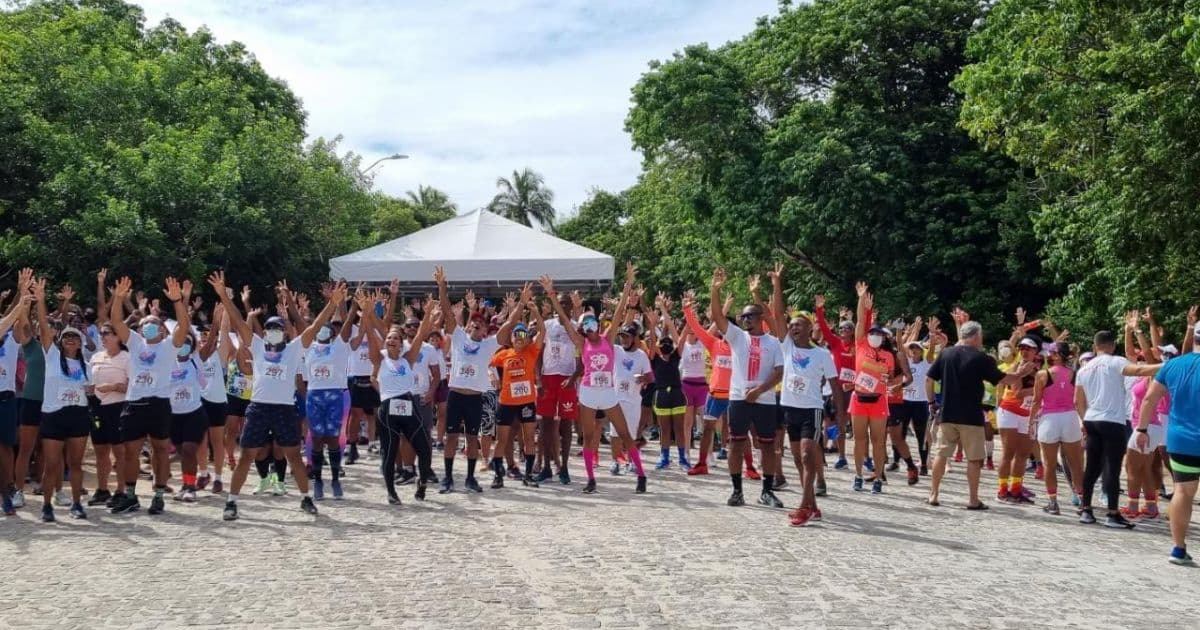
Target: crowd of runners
x,y
223,384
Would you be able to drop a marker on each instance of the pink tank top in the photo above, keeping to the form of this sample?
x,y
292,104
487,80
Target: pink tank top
x,y
1139,394
1059,395
598,363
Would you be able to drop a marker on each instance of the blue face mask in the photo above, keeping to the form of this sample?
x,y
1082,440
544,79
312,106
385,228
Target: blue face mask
x,y
324,333
184,350
150,331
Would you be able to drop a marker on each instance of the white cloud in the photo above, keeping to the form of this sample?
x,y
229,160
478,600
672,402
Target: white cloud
x,y
472,90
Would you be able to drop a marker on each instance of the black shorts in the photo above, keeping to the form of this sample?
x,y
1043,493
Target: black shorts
x,y
29,412
1184,468
107,427
512,414
362,395
8,419
897,415
464,413
668,399
236,407
148,416
66,423
189,427
743,416
803,424
216,412
648,396
267,423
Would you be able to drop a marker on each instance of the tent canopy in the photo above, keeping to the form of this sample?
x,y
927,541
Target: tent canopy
x,y
478,250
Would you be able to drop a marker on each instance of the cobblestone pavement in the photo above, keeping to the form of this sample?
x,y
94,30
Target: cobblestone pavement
x,y
555,558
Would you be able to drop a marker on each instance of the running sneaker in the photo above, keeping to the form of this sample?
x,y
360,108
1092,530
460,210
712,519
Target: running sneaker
x,y
800,517
406,477
989,464
1086,517
1150,510
752,473
1052,507
722,454
318,489
821,489
497,482
877,487
1040,473
590,488
156,504
614,468
698,469
126,503
663,463
307,505
641,486
230,513
1180,556
545,475
869,464
336,486
1026,493
47,513
100,497
189,494
924,470
278,488
373,448
351,456
447,486
779,483
178,496
959,456
1129,512
77,512
62,498
265,484
564,477
18,499
1032,466
515,473
736,499
893,467
6,507
1116,521
529,482
439,445
913,477
769,499
1021,499
393,499
420,493
841,464
218,487
472,485
685,464
1075,500
202,481
857,486
628,468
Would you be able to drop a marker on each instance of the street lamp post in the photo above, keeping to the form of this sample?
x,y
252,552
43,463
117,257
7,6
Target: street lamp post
x,y
394,156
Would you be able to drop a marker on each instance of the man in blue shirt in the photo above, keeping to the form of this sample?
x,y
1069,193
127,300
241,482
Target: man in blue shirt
x,y
1179,377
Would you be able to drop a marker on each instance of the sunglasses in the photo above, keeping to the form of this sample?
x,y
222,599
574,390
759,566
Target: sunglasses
x,y
107,333
748,316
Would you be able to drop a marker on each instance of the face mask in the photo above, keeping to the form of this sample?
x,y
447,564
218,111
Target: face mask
x,y
1006,353
591,326
324,334
150,331
875,340
184,350
273,337
666,348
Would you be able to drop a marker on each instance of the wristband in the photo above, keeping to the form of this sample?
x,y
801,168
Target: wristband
x,y
1142,430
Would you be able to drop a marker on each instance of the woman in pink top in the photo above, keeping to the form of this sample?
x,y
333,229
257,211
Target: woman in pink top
x,y
110,373
598,389
1139,462
1058,424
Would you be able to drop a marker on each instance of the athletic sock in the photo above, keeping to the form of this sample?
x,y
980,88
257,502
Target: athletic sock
x,y
1003,485
335,462
636,457
989,447
748,457
189,481
736,479
681,452
280,468
263,466
131,489
768,482
318,463
497,466
471,467
448,462
529,459
1015,484
589,461
665,453
703,458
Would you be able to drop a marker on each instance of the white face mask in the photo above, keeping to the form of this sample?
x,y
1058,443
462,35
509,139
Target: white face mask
x,y
273,337
875,340
1006,353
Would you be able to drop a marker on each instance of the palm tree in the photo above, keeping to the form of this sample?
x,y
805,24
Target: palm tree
x,y
431,206
523,198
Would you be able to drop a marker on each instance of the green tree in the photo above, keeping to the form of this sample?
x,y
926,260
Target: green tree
x,y
430,205
524,199
1102,101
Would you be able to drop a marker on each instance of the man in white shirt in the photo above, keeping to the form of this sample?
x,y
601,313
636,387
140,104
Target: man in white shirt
x,y
558,400
1100,399
757,367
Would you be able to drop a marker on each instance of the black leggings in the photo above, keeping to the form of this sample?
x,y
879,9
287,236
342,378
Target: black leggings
x,y
389,430
1106,442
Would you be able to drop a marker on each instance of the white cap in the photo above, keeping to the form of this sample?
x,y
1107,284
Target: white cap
x,y
1168,349
70,330
1196,330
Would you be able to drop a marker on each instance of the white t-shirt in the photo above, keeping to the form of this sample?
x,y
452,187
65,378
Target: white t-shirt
x,y
185,386
1104,385
426,359
691,361
212,379
150,367
558,355
325,364
753,358
64,390
10,351
915,392
359,362
396,378
803,372
275,372
470,359
629,365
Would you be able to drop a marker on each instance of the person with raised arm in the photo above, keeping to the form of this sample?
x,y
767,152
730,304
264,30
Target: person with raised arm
x,y
9,351
716,404
841,344
517,362
756,367
272,410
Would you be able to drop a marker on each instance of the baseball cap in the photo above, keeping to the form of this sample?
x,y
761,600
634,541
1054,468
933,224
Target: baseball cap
x,y
1028,342
629,329
274,321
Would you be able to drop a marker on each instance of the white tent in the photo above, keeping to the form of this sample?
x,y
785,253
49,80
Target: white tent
x,y
479,250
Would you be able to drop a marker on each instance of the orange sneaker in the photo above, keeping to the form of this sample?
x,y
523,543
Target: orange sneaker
x,y
752,473
698,469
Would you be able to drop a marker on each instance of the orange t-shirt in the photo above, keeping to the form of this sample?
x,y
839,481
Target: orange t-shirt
x,y
872,368
518,384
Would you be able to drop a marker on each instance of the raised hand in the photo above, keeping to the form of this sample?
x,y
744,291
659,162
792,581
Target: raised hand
x,y
123,288
1192,315
548,286
394,287
1131,321
216,280
725,308
819,301
439,276
1020,316
66,293
24,280
630,273
527,293
776,275
689,298
719,278
246,294
172,290
860,288
186,288
576,299
753,283
38,289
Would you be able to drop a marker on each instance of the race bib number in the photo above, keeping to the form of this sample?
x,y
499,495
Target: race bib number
x,y
275,373
144,379
910,392
600,379
240,384
796,384
555,351
846,374
624,387
183,395
69,396
866,381
1027,403
400,407
321,372
725,362
466,371
520,389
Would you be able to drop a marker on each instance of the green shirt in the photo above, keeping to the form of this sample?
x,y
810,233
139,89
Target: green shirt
x,y
35,370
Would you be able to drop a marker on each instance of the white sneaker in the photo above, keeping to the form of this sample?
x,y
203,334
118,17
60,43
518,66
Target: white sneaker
x,y
18,499
614,468
62,498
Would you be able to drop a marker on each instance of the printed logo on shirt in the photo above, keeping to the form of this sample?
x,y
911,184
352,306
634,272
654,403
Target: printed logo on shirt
x,y
800,360
471,349
147,357
322,349
398,369
599,361
74,374
178,374
272,356
627,364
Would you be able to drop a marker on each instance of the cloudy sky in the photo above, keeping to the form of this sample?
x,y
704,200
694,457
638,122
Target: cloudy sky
x,y
472,90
